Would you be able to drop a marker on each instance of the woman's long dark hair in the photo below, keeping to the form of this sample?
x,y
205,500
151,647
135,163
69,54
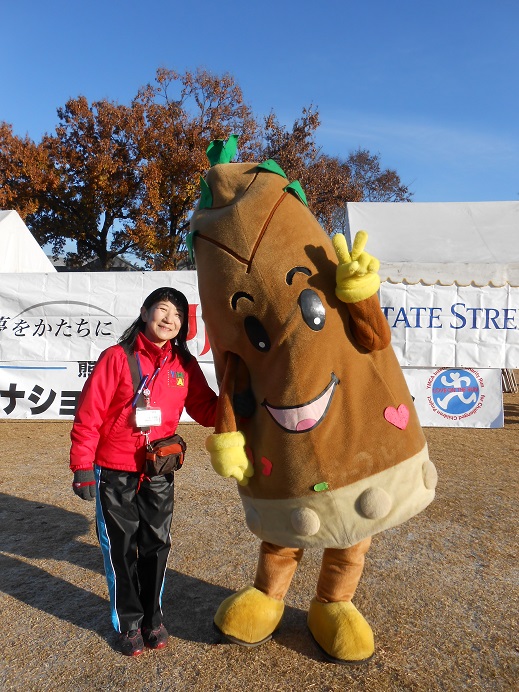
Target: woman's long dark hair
x,y
179,300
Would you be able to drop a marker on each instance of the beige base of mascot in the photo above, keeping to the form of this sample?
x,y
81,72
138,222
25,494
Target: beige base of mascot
x,y
328,450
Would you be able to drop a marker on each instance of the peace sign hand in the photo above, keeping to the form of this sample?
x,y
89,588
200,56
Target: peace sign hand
x,y
356,276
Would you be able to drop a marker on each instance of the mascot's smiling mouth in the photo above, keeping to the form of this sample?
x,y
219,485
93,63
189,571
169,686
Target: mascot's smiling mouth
x,y
305,417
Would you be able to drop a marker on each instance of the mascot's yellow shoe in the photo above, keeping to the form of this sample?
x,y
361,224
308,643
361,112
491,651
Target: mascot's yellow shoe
x,y
249,617
341,632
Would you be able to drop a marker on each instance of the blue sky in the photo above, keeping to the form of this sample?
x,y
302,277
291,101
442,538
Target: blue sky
x,y
430,86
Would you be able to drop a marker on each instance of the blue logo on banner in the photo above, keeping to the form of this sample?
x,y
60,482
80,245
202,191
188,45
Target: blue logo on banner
x,y
455,391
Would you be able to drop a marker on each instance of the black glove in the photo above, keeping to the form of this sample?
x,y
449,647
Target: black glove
x,y
84,485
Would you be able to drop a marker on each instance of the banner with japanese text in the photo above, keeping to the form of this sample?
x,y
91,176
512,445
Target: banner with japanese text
x,y
53,327
76,316
50,391
461,397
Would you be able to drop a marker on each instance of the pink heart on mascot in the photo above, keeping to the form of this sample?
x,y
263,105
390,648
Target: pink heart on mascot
x,y
399,417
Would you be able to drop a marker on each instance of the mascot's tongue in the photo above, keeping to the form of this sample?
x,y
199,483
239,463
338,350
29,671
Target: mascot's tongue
x,y
305,424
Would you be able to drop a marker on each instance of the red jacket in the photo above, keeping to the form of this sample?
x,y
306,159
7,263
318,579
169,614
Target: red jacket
x,y
104,430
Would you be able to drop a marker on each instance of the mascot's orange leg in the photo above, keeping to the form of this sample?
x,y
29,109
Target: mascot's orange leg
x,y
276,567
341,571
339,629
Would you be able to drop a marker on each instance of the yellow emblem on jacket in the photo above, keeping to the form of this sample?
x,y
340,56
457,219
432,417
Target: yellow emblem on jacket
x,y
178,378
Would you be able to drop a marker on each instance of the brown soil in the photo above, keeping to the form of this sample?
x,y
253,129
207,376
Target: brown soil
x,y
441,591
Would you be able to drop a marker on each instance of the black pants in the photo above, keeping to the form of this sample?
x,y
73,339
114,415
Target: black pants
x,y
133,523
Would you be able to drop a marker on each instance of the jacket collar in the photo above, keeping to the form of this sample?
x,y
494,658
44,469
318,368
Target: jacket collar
x,y
143,344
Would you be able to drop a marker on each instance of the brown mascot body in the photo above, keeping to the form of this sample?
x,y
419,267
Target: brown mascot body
x,y
332,452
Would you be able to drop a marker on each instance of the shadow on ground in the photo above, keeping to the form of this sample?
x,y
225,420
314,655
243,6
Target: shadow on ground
x,y
47,532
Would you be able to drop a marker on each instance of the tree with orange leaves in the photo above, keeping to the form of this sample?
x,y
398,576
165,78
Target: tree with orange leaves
x,y
123,179
117,179
173,134
24,168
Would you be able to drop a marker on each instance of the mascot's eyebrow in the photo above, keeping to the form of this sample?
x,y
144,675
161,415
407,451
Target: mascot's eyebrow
x,y
295,270
236,297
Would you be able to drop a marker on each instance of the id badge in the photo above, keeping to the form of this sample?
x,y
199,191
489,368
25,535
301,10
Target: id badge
x,y
147,417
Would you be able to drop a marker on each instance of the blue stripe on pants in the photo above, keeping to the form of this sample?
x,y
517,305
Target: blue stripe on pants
x,y
104,541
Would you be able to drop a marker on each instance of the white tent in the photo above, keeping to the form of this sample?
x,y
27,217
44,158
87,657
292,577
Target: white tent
x,y
445,243
449,258
19,251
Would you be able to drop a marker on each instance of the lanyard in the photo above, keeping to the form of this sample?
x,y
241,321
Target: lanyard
x,y
146,381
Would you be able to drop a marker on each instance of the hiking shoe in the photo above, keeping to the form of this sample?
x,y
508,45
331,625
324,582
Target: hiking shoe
x,y
155,639
130,643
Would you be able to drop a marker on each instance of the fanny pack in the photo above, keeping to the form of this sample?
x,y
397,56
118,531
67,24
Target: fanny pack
x,y
167,454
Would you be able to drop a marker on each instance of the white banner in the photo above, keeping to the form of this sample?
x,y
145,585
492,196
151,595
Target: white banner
x,y
50,391
76,316
461,397
453,326
53,328
443,397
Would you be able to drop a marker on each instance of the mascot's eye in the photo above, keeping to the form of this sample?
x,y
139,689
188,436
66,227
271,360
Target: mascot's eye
x,y
312,309
257,334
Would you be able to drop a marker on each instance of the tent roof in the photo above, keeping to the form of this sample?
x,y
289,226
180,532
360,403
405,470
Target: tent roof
x,y
441,242
19,250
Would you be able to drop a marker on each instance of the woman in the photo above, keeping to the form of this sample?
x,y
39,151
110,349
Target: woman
x,y
108,455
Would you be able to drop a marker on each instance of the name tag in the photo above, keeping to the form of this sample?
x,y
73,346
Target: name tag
x,y
147,417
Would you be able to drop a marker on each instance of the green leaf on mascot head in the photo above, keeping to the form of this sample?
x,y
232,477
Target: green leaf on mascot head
x,y
296,189
206,198
272,167
190,237
220,151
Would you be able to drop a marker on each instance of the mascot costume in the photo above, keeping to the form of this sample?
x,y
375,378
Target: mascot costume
x,y
315,420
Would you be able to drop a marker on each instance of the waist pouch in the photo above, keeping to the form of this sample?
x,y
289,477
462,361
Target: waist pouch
x,y
165,455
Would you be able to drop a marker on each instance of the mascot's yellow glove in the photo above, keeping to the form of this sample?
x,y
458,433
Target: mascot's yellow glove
x,y
356,277
228,456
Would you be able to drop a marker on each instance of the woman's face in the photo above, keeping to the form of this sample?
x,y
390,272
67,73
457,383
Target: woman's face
x,y
163,321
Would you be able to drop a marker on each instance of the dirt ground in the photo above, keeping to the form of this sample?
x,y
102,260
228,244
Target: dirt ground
x,y
441,591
